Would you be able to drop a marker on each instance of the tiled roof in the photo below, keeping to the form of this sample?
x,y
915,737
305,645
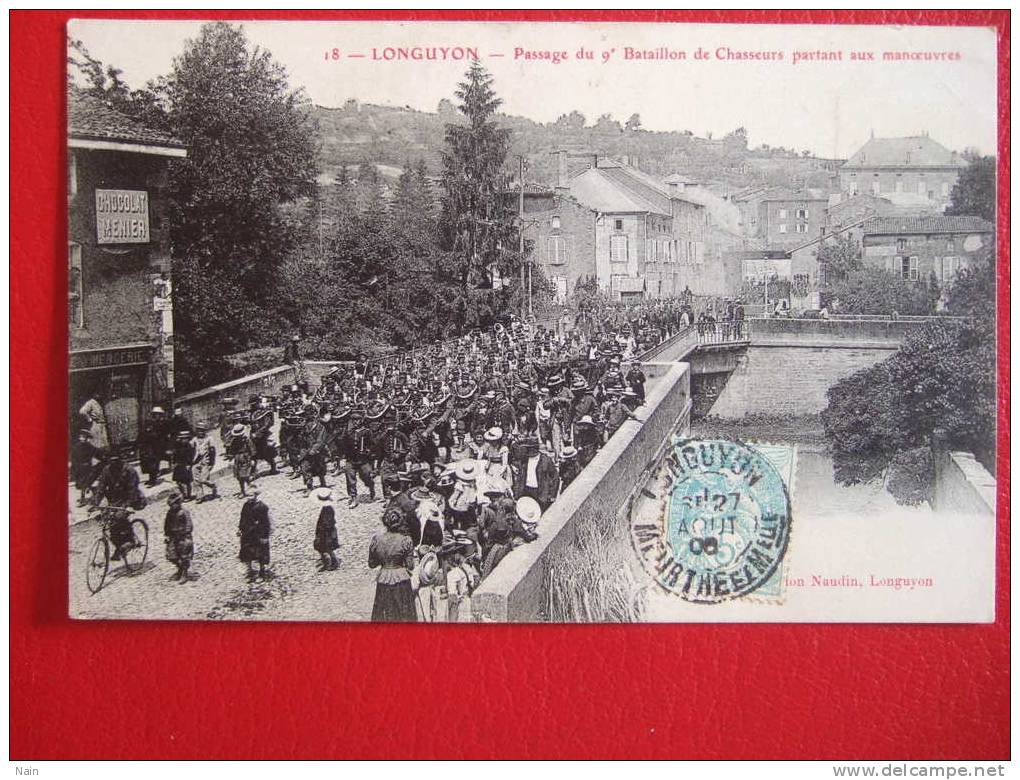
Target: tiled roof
x,y
612,186
600,192
90,117
915,151
883,226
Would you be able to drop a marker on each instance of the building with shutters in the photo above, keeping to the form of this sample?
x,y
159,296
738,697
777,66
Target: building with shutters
x,y
916,247
120,310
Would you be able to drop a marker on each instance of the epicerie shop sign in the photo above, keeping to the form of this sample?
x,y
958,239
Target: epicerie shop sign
x,y
122,216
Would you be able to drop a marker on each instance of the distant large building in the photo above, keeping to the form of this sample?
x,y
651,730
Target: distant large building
x,y
638,237
120,313
915,170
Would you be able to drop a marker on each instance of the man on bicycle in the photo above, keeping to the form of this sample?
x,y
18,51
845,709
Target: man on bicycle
x,y
118,484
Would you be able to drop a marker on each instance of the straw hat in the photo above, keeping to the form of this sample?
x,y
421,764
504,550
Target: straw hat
x,y
237,430
528,509
494,433
466,470
429,570
324,494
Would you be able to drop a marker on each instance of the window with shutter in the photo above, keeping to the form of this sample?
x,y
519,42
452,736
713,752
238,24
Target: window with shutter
x,y
618,249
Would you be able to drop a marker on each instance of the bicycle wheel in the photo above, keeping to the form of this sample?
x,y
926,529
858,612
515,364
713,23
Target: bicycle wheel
x,y
135,556
97,565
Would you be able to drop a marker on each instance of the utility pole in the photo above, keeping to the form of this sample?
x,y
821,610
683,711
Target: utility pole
x,y
320,229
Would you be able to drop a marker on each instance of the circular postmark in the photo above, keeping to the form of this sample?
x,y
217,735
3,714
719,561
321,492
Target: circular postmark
x,y
724,524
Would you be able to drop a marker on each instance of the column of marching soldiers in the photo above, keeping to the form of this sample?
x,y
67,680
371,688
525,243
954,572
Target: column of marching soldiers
x,y
471,440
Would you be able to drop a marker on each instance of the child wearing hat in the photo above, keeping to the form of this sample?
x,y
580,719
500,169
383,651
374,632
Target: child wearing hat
x,y
177,528
569,466
495,453
241,451
84,457
326,539
463,497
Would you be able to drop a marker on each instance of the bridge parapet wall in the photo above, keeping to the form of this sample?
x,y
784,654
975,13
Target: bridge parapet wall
x,y
833,331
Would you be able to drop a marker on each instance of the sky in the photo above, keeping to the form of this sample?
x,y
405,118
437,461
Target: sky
x,y
828,106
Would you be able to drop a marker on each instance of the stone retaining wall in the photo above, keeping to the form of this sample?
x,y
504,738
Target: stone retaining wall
x,y
963,486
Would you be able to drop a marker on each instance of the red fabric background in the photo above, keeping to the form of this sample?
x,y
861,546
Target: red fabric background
x,y
190,690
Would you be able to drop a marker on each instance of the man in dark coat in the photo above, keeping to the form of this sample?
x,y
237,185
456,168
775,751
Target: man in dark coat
x,y
262,421
313,459
636,379
584,403
254,529
536,475
358,453
587,439
619,412
392,448
153,444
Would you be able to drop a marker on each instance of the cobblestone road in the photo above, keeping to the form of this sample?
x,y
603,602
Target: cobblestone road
x,y
218,589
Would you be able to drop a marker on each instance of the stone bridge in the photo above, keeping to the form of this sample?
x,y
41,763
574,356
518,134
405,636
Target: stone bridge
x,y
778,366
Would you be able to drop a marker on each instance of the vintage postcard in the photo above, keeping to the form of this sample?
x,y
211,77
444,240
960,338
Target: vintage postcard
x,y
531,322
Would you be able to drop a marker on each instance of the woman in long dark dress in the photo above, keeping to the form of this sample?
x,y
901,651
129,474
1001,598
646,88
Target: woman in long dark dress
x,y
393,553
255,529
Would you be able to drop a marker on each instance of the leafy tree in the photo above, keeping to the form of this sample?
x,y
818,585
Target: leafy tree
x,y
573,121
251,149
876,291
937,391
606,125
633,123
478,222
884,421
840,257
104,82
737,140
973,293
974,191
